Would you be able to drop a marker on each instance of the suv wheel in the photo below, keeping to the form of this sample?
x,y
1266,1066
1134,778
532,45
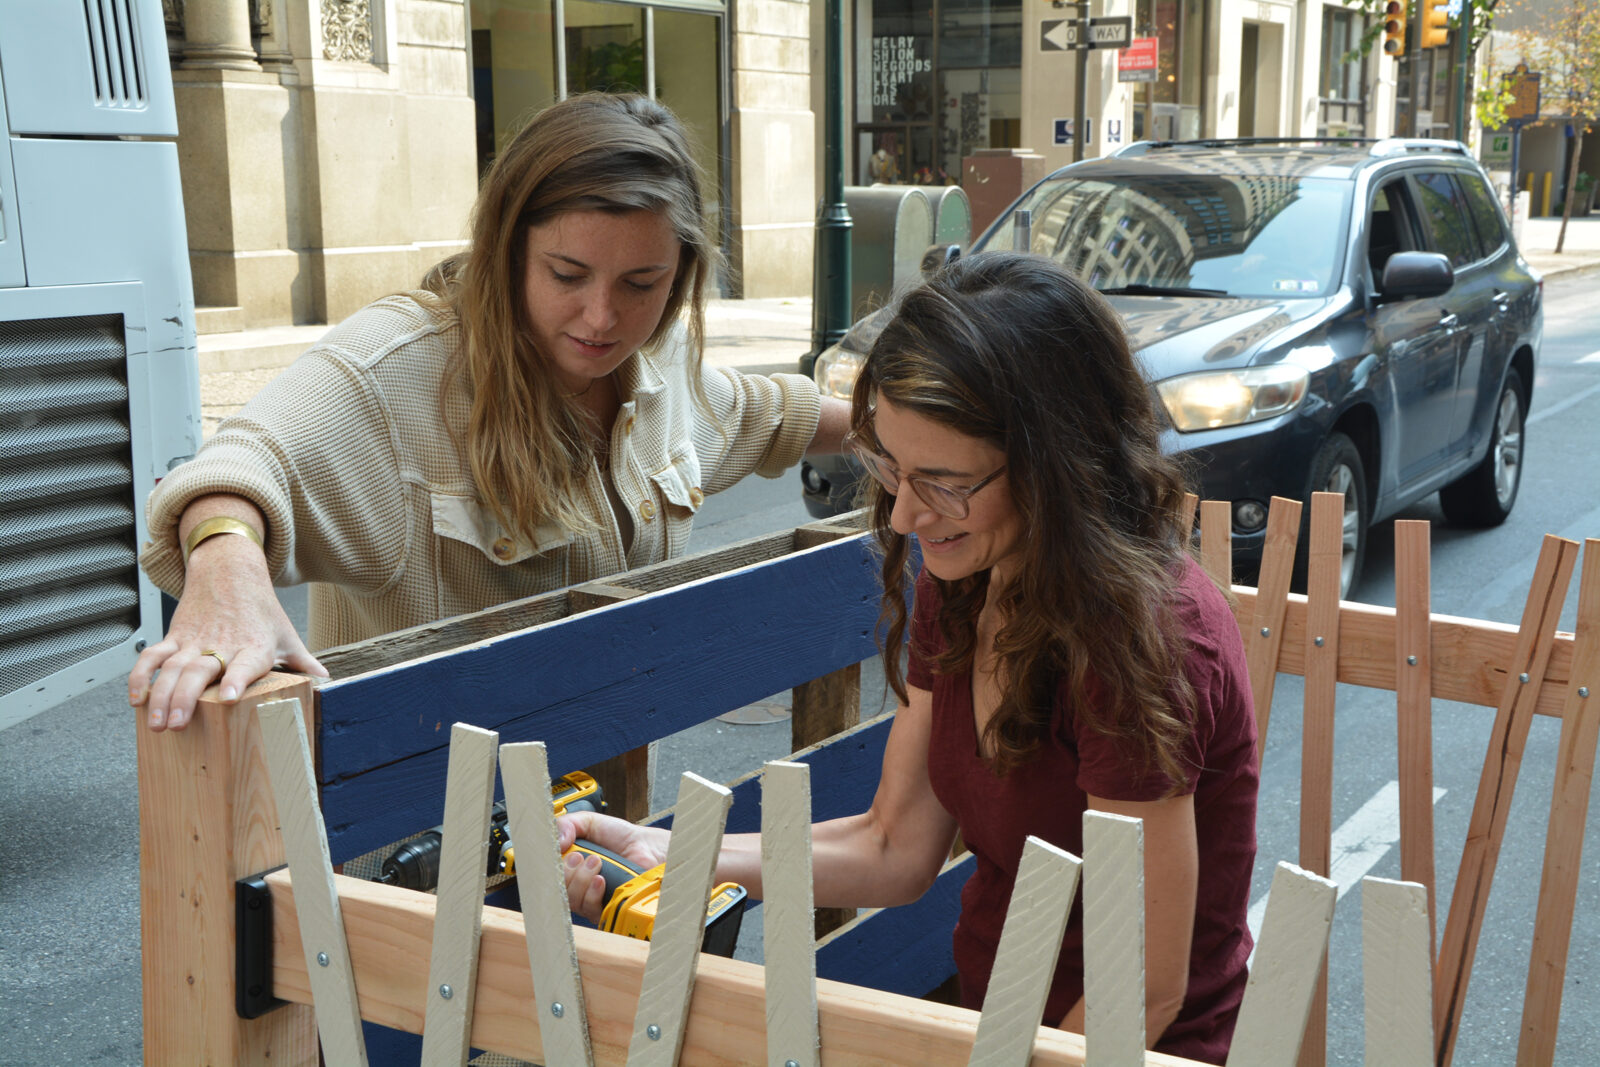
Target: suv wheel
x,y
1337,468
1484,495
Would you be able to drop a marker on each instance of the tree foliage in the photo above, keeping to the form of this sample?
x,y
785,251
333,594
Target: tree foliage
x,y
1482,21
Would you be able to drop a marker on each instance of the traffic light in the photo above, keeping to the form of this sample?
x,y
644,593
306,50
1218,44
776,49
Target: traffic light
x,y
1435,22
1394,28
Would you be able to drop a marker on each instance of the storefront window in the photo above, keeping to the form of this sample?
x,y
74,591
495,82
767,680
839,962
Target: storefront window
x,y
1343,84
1170,107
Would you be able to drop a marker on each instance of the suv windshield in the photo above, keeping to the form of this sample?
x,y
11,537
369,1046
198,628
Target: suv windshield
x,y
1258,235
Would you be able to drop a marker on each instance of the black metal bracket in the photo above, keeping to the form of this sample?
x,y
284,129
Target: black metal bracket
x,y
252,948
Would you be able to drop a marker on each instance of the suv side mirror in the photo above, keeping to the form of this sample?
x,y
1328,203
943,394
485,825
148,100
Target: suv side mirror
x,y
938,256
1416,274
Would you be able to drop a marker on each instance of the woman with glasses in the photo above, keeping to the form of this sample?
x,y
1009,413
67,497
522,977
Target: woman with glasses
x,y
1065,651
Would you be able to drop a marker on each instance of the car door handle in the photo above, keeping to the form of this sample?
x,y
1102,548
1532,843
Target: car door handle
x,y
1502,300
1448,321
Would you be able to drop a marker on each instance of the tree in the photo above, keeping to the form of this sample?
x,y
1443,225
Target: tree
x,y
1560,39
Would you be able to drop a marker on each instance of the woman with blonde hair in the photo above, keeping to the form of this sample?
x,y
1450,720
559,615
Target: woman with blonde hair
x,y
537,415
1065,652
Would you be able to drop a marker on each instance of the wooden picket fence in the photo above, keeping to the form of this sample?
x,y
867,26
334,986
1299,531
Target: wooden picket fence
x,y
594,673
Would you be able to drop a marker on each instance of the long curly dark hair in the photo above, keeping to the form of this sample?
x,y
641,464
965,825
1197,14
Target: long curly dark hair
x,y
1014,350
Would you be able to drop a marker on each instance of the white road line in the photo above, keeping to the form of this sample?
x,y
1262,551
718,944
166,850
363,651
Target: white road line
x,y
1357,845
1556,409
1592,357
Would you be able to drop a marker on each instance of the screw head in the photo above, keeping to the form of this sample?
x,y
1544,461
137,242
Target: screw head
x,y
1583,691
138,646
791,1063
1523,677
653,1032
1318,641
1266,631
322,959
446,992
1411,661
557,1010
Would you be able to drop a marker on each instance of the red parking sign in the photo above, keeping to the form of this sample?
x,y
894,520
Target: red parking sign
x,y
1137,62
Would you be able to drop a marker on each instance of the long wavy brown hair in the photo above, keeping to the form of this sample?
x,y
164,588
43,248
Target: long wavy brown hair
x,y
1014,350
528,446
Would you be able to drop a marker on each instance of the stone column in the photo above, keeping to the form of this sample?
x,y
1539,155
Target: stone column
x,y
217,35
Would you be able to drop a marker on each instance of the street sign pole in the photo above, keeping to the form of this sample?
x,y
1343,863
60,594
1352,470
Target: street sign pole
x,y
830,312
1081,46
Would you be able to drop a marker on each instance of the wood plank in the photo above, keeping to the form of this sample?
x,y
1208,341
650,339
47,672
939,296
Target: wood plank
x,y
591,595
653,665
786,925
1025,960
1216,540
625,781
322,936
1186,511
825,706
1496,786
1324,559
552,955
1289,955
658,1025
1414,706
1397,972
1469,655
206,819
463,880
1113,939
904,950
389,931
1563,840
1265,636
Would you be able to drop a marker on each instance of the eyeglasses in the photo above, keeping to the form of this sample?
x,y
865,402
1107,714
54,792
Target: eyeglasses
x,y
948,500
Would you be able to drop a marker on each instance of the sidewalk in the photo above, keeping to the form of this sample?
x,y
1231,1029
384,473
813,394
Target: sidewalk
x,y
1580,251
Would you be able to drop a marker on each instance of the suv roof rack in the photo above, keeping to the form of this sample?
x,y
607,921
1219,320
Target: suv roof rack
x,y
1246,142
1393,145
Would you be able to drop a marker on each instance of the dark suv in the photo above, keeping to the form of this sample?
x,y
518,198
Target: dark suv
x,y
1350,316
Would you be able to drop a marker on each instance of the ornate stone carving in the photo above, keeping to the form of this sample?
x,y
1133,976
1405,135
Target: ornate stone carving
x,y
347,30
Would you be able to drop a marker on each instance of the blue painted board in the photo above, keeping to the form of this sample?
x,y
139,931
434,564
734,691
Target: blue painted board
x,y
608,681
902,950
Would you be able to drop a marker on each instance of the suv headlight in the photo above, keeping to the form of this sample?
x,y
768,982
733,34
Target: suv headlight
x,y
1213,399
836,370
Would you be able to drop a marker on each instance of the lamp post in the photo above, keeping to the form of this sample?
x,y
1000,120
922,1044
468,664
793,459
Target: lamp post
x,y
830,306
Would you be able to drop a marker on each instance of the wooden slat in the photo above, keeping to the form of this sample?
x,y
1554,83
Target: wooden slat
x,y
389,931
1397,976
1414,705
825,706
1265,636
1469,655
322,935
1025,960
1492,804
1289,955
1186,509
207,818
1563,841
552,955
625,782
658,1026
903,950
591,595
786,924
1316,733
1113,938
463,879
1216,540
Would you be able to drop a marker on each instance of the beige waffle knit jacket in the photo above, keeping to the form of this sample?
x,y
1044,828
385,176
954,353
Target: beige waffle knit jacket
x,y
366,496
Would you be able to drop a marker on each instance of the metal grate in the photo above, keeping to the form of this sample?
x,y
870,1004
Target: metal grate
x,y
115,57
69,583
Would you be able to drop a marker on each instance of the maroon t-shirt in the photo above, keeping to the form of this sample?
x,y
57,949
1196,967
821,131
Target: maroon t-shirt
x,y
1046,798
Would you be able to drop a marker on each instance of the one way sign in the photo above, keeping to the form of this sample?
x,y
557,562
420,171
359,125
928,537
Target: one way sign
x,y
1061,35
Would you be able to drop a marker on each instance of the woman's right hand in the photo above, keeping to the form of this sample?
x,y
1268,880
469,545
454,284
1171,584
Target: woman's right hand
x,y
643,847
228,608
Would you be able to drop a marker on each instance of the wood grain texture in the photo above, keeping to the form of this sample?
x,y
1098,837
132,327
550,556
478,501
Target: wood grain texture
x,y
1186,510
322,936
1324,559
787,933
390,929
207,818
653,665
904,950
825,706
625,782
1397,972
1414,705
1216,540
669,972
1264,638
552,954
1113,939
1289,955
1563,841
463,879
1025,961
1496,786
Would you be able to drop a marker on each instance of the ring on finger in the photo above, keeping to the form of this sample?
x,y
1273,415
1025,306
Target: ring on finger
x,y
214,654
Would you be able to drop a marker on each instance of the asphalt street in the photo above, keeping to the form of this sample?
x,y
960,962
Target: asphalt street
x,y
69,929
